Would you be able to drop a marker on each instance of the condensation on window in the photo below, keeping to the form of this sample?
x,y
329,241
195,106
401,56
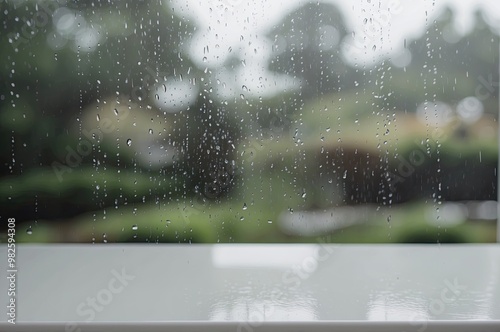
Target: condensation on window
x,y
233,121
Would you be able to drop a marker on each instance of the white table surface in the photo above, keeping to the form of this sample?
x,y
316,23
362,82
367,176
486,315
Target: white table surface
x,y
254,287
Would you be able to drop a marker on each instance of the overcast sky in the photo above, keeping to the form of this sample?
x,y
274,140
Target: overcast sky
x,y
227,27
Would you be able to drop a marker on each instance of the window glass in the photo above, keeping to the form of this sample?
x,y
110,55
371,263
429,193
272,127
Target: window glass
x,y
249,121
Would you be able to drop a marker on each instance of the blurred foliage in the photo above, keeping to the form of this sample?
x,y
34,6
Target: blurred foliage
x,y
445,66
91,154
307,47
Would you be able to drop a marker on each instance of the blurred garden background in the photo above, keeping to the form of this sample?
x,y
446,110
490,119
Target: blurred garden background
x,y
173,121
